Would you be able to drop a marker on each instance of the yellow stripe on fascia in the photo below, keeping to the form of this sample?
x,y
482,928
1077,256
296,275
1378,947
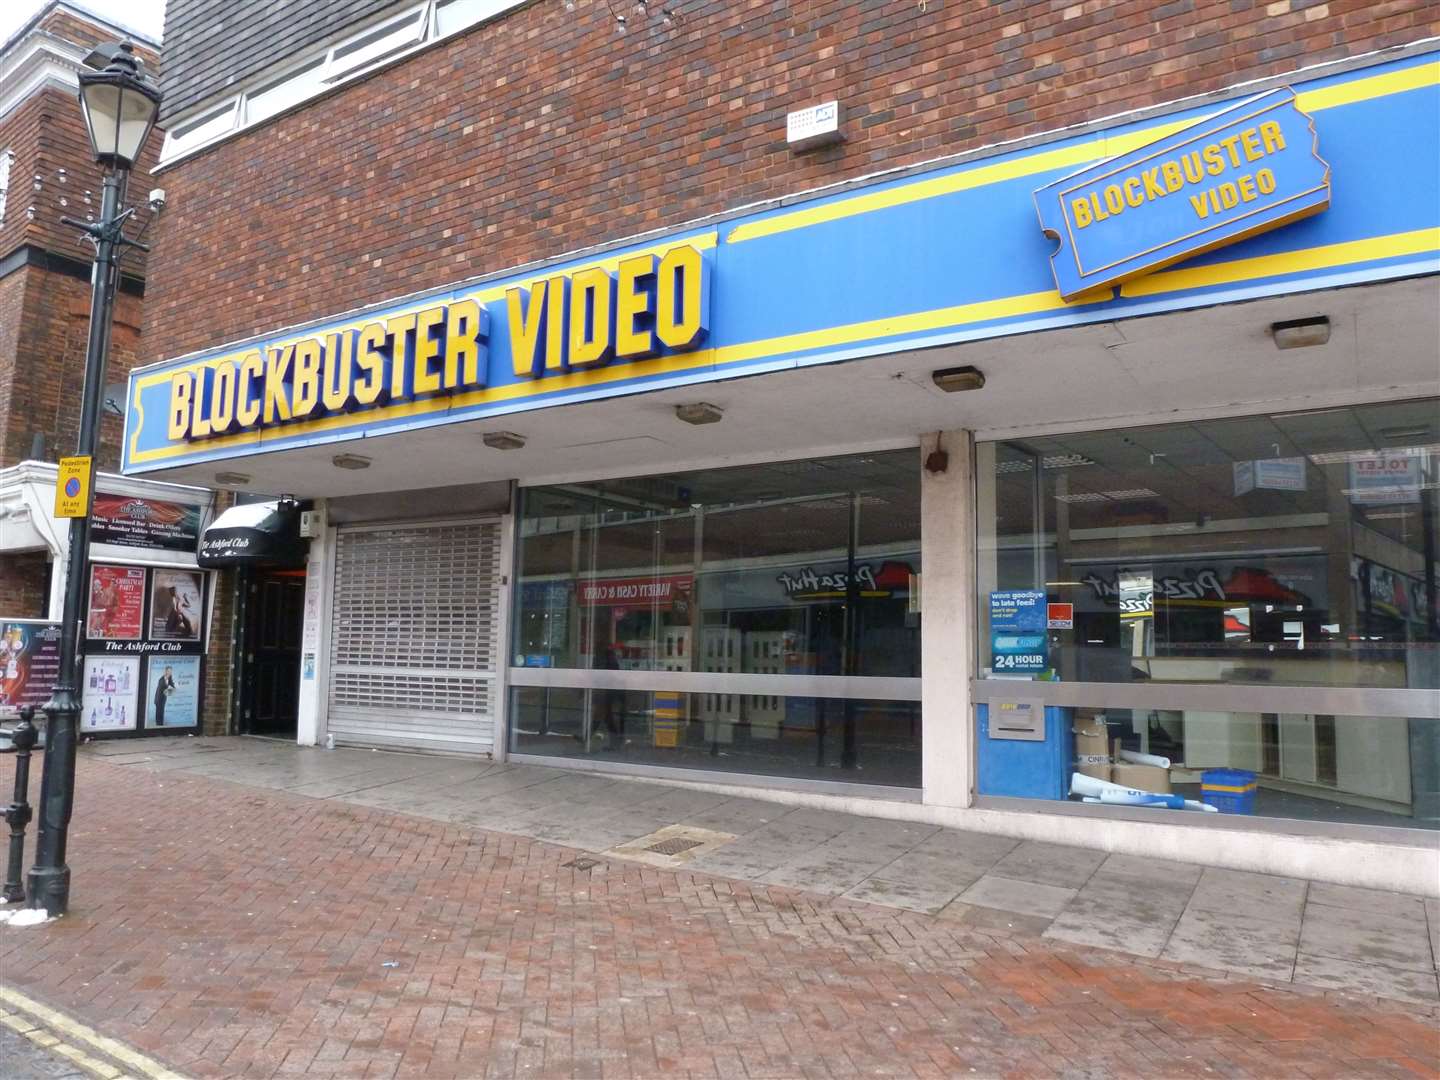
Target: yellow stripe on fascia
x,y
1348,93
1105,146
891,326
1417,242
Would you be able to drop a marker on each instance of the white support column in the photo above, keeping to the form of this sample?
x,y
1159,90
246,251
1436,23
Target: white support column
x,y
310,721
947,620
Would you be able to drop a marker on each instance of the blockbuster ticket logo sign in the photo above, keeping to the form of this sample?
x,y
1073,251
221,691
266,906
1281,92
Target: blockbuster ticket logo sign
x,y
569,322
1245,170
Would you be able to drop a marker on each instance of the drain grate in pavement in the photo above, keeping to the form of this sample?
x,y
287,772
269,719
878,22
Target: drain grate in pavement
x,y
582,863
673,846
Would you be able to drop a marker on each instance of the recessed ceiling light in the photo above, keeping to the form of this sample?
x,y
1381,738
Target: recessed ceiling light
x,y
350,461
503,440
1301,333
700,412
232,479
952,380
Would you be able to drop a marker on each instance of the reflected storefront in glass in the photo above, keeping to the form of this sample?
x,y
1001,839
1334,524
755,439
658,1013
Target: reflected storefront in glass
x,y
1266,585
776,600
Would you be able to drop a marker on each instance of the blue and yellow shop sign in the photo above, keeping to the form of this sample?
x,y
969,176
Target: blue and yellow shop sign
x,y
650,305
932,258
1244,171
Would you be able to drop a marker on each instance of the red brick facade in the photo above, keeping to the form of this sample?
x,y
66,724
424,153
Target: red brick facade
x,y
544,131
25,585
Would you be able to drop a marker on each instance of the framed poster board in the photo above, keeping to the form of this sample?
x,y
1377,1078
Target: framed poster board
x,y
172,692
117,603
177,605
29,663
110,691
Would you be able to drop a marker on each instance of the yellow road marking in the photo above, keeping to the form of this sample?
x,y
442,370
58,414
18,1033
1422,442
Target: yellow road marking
x,y
34,1018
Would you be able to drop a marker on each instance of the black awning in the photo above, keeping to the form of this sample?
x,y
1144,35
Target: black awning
x,y
254,534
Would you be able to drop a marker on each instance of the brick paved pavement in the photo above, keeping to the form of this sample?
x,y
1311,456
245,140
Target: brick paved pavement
x,y
237,932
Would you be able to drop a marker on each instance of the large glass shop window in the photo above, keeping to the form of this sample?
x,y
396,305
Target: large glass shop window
x,y
791,569
1286,550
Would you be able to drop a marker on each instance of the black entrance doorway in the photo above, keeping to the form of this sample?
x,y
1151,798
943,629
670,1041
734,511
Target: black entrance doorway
x,y
269,670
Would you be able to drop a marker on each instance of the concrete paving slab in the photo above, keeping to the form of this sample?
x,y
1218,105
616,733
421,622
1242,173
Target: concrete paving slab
x,y
1386,903
907,893
1258,948
1020,897
679,803
834,866
1262,896
764,850
1049,864
1155,897
1165,870
981,849
993,919
1366,938
931,870
1088,920
736,815
1369,979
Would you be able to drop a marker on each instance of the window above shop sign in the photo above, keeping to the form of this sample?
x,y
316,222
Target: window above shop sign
x,y
325,68
1243,171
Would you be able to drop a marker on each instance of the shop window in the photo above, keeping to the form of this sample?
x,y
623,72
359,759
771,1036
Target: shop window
x,y
1254,554
772,575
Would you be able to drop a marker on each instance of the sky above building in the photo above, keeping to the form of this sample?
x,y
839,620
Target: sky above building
x,y
146,16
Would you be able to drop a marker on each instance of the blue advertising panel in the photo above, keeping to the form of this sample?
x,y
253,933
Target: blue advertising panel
x,y
947,255
1018,643
1246,170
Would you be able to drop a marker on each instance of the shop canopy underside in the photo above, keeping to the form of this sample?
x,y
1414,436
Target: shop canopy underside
x,y
1213,361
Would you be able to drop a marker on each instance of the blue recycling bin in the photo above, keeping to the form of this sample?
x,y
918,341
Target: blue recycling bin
x,y
1038,769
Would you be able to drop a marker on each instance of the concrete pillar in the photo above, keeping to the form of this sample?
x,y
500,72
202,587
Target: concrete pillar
x,y
947,620
314,647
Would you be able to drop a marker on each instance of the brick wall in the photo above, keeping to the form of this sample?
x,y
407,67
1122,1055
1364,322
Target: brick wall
x,y
215,710
47,133
42,371
544,131
24,585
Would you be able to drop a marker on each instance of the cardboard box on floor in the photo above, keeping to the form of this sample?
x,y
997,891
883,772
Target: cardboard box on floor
x,y
1093,765
1140,777
1092,738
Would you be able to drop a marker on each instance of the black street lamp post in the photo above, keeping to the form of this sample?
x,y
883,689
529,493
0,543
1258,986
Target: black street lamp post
x,y
120,106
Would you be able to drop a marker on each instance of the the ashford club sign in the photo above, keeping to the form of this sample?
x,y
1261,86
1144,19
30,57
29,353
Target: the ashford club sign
x,y
566,323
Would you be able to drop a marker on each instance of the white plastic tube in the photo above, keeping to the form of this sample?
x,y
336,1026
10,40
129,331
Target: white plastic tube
x,y
1137,758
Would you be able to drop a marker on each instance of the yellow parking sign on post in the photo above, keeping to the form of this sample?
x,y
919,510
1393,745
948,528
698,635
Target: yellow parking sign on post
x,y
72,487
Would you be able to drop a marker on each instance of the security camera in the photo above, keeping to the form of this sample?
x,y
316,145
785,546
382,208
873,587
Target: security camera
x,y
157,199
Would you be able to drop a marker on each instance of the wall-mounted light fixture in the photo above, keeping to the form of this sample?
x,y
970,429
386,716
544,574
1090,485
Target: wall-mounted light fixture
x,y
350,461
953,380
1301,333
503,440
700,412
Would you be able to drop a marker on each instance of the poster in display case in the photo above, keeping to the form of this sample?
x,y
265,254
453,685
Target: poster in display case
x,y
176,604
172,692
29,663
110,691
117,603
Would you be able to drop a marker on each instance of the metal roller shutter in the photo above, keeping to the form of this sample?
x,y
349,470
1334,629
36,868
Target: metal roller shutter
x,y
413,649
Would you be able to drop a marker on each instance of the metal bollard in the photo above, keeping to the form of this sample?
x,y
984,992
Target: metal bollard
x,y
17,814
